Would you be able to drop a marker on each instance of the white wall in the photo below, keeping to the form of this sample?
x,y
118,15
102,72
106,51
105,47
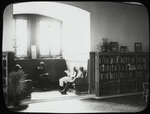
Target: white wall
x,y
7,39
120,22
76,39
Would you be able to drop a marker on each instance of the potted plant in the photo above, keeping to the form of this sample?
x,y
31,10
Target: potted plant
x,y
105,45
16,86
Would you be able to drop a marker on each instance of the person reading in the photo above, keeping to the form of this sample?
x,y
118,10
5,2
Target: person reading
x,y
69,82
69,76
41,76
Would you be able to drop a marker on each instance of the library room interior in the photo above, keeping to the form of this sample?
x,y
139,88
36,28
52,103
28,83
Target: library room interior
x,y
75,57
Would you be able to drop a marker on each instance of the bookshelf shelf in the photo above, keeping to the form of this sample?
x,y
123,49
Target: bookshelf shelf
x,y
8,65
120,72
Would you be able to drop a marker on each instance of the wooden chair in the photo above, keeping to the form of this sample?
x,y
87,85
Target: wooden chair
x,y
145,95
81,84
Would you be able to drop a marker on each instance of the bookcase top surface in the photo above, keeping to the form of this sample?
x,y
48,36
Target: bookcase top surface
x,y
119,53
6,52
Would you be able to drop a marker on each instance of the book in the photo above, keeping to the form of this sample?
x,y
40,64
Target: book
x,y
67,72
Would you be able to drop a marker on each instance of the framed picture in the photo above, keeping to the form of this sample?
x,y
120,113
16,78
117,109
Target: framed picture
x,y
123,49
138,46
114,46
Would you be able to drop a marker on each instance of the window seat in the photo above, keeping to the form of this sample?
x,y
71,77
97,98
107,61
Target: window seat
x,y
55,67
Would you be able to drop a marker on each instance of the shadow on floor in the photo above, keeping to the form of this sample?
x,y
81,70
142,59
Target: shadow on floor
x,y
21,107
130,101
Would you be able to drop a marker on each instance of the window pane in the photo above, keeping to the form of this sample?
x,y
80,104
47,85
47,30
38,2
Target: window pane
x,y
55,35
49,38
44,34
21,36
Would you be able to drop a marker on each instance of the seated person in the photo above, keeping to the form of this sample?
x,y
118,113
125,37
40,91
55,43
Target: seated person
x,y
79,75
67,78
18,67
28,89
41,76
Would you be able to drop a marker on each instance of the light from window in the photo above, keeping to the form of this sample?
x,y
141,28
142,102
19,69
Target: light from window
x,y
20,34
49,38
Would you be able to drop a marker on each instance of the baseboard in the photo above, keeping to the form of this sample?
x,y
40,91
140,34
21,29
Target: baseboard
x,y
117,95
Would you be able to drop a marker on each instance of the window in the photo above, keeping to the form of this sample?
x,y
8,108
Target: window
x,y
49,38
20,37
41,31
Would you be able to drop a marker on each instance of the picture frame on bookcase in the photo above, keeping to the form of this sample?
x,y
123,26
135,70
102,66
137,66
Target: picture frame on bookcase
x,y
138,46
123,49
114,46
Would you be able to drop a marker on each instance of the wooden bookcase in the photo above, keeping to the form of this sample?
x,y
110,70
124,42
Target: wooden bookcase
x,y
117,73
8,65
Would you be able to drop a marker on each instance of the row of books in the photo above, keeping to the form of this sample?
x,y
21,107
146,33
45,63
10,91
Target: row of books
x,y
139,73
128,85
3,61
115,75
108,68
121,59
142,59
126,74
109,86
4,80
123,67
108,60
142,66
3,70
110,75
126,60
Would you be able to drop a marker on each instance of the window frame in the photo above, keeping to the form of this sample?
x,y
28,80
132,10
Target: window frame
x,y
28,35
38,44
31,41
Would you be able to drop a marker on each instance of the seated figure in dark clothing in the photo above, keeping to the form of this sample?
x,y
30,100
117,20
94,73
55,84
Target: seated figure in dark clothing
x,y
41,76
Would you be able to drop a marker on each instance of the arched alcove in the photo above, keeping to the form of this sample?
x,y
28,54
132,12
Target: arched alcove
x,y
75,30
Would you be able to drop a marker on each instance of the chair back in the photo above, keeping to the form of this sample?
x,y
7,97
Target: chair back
x,y
145,85
84,74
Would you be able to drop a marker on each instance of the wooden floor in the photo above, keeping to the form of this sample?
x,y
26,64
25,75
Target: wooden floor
x,y
54,102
